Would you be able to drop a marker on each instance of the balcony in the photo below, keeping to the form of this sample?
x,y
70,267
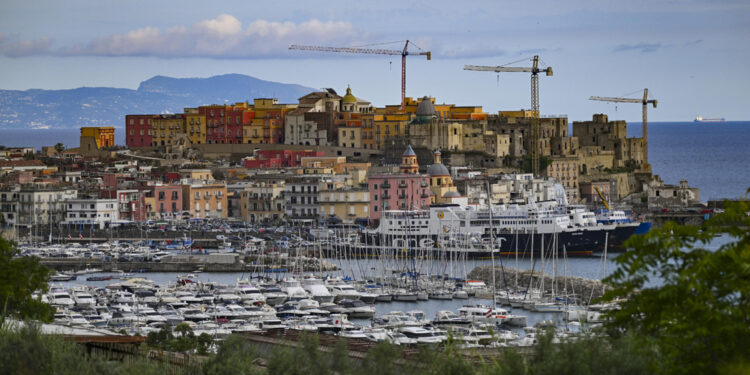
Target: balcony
x,y
402,185
386,185
386,196
402,196
425,195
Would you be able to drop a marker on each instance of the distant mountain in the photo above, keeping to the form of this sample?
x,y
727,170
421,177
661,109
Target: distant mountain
x,y
106,106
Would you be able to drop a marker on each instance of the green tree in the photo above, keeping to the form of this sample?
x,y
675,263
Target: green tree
x,y
381,360
59,147
24,350
20,277
184,329
235,356
691,302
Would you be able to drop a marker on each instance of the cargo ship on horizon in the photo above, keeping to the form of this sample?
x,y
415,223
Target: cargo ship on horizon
x,y
701,119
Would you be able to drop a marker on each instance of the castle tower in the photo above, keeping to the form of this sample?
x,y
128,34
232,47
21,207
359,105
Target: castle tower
x,y
409,161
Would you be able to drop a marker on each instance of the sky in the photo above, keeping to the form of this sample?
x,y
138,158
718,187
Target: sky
x,y
692,55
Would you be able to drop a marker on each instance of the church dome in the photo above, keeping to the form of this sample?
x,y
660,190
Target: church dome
x,y
437,170
349,98
425,108
451,194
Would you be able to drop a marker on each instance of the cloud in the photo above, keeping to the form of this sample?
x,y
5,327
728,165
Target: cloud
x,y
693,42
641,47
12,46
220,37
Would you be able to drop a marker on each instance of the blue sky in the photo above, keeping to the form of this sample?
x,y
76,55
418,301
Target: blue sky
x,y
692,55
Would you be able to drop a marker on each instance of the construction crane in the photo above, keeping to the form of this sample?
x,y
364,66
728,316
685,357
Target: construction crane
x,y
534,70
645,101
375,51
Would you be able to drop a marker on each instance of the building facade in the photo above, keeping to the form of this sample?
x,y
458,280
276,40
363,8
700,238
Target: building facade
x,y
138,131
407,190
204,200
95,212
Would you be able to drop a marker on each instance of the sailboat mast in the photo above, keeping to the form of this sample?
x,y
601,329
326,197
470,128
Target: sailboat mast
x,y
492,248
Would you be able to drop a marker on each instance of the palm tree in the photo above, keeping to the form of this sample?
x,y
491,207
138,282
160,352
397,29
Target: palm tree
x,y
184,329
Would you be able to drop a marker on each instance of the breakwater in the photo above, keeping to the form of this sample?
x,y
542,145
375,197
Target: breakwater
x,y
581,289
190,264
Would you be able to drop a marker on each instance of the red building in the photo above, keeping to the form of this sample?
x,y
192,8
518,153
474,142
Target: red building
x,y
234,125
138,130
216,126
278,158
223,123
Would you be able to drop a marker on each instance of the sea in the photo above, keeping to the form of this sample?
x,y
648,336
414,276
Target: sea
x,y
710,156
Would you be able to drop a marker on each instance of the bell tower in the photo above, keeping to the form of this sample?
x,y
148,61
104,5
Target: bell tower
x,y
409,161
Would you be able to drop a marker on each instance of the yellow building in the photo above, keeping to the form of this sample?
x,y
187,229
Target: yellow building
x,y
164,128
388,126
97,137
150,203
196,174
348,205
521,113
266,125
205,200
195,126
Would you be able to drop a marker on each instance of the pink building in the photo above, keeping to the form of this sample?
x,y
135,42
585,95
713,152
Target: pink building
x,y
407,190
168,200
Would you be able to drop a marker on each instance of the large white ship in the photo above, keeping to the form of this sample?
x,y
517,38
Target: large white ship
x,y
525,229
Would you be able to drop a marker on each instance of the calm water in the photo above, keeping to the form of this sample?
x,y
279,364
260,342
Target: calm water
x,y
714,157
711,156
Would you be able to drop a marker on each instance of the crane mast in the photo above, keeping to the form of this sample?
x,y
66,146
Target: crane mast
x,y
535,122
373,51
645,102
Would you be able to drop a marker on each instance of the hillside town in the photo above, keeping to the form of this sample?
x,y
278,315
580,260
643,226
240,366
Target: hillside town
x,y
327,158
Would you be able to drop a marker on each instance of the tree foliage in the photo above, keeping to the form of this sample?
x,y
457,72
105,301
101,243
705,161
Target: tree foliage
x,y
20,277
235,356
691,302
186,342
25,351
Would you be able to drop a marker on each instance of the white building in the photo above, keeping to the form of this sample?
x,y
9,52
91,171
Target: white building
x,y
91,211
29,206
